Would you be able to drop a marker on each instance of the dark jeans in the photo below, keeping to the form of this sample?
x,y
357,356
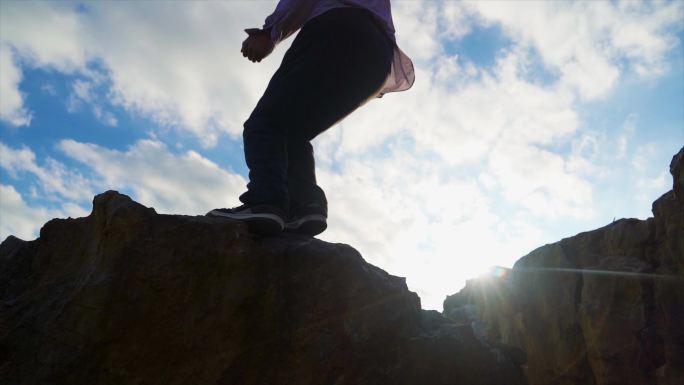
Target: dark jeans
x,y
337,61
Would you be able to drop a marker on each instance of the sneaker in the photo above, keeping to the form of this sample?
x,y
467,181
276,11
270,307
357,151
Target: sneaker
x,y
261,219
309,220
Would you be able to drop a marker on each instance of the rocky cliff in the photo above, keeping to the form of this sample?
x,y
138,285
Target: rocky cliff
x,y
128,296
604,307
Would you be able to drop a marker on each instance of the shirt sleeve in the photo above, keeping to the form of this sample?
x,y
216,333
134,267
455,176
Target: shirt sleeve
x,y
287,18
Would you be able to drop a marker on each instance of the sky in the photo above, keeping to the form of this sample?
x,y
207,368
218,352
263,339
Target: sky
x,y
529,122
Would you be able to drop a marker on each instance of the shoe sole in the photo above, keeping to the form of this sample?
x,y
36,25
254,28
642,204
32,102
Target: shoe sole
x,y
265,224
313,224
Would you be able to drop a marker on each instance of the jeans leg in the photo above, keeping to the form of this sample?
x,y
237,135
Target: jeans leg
x,y
301,176
265,147
337,61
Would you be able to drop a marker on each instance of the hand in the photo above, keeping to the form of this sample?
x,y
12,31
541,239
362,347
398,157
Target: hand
x,y
258,44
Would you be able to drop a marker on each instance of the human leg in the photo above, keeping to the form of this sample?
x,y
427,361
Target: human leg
x,y
335,64
308,204
356,55
301,176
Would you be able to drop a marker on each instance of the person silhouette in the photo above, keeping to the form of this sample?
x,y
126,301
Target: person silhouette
x,y
344,55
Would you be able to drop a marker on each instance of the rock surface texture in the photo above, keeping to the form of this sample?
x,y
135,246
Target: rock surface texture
x,y
128,296
604,307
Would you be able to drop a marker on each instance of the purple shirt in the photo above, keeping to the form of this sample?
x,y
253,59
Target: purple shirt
x,y
290,15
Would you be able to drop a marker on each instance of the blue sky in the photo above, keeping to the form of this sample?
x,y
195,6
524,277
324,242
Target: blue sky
x,y
528,122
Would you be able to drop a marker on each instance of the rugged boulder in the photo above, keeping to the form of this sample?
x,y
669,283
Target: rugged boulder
x,y
128,296
604,307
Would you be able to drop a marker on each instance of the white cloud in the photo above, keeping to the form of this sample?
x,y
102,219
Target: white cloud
x,y
417,29
24,221
38,35
462,119
83,90
406,215
649,176
44,34
414,218
642,39
18,218
12,102
180,64
455,21
658,183
498,118
585,41
185,184
643,156
539,181
83,93
599,152
49,89
104,116
55,179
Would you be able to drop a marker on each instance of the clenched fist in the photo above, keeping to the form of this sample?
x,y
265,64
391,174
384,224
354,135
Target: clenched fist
x,y
258,44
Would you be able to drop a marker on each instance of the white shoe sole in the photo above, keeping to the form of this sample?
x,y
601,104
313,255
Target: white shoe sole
x,y
312,224
263,223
